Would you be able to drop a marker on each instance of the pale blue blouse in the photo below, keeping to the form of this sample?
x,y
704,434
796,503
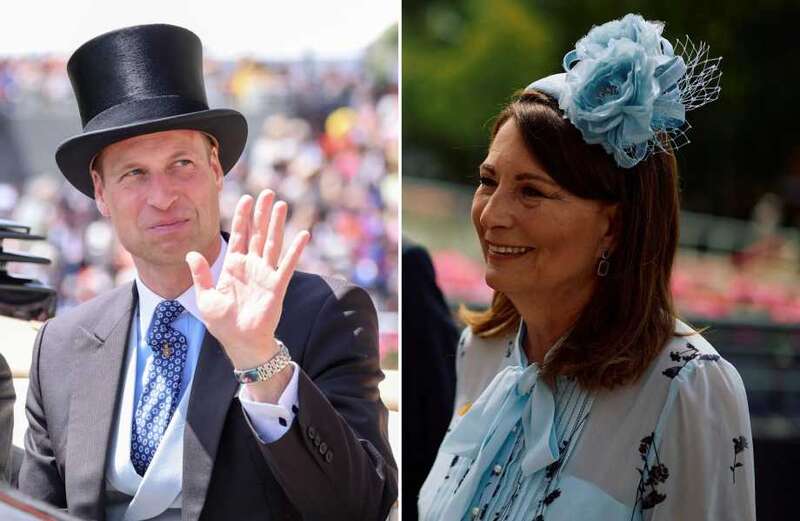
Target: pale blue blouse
x,y
674,445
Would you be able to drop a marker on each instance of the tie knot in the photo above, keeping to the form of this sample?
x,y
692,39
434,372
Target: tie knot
x,y
167,311
528,379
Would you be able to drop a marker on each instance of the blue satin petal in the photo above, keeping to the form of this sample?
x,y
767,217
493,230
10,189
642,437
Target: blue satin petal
x,y
672,72
569,60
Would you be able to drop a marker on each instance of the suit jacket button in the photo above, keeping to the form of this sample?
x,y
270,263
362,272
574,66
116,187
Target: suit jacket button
x,y
316,440
312,432
323,448
329,456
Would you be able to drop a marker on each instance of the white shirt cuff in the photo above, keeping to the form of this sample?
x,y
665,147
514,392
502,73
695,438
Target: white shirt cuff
x,y
272,420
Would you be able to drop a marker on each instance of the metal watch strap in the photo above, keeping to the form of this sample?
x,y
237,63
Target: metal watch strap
x,y
266,370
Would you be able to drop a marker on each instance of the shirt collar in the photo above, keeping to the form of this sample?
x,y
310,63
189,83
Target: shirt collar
x,y
148,299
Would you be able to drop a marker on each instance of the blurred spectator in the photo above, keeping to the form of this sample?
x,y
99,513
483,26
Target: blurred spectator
x,y
429,346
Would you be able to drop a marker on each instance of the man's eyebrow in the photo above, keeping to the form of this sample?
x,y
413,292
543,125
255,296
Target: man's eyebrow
x,y
128,166
524,176
133,163
181,152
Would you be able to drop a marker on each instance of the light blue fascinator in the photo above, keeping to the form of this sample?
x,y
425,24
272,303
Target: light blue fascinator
x,y
627,89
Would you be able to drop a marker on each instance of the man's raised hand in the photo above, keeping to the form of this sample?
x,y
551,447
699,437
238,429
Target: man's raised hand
x,y
244,308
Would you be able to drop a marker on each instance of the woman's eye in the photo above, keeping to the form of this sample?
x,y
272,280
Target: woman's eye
x,y
529,191
486,181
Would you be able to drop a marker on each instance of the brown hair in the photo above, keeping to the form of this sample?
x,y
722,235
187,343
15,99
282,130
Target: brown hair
x,y
630,315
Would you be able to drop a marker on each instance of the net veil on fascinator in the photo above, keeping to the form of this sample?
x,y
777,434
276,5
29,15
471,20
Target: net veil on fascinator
x,y
628,89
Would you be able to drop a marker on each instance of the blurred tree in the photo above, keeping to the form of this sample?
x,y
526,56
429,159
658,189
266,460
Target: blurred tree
x,y
461,64
463,60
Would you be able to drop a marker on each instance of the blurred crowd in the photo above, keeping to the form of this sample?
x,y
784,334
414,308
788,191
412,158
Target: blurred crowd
x,y
324,136
33,85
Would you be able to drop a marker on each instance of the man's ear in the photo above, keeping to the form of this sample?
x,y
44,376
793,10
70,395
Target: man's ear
x,y
99,193
216,167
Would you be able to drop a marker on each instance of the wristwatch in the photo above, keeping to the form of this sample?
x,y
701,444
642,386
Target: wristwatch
x,y
266,370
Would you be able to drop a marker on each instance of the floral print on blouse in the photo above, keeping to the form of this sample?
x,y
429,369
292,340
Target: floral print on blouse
x,y
673,445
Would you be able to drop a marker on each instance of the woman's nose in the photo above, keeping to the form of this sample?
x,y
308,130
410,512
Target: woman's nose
x,y
496,212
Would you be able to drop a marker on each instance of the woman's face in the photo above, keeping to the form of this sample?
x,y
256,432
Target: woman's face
x,y
538,240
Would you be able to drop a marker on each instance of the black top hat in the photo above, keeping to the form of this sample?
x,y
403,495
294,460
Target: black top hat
x,y
139,80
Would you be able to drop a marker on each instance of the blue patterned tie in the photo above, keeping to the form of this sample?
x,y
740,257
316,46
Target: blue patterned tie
x,y
162,386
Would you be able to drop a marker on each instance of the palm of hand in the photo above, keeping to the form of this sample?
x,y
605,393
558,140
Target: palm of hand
x,y
246,303
243,309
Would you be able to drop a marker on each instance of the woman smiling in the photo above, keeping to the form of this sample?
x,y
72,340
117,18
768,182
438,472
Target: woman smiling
x,y
580,394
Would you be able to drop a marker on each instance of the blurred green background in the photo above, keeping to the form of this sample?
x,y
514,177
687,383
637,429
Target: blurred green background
x,y
463,60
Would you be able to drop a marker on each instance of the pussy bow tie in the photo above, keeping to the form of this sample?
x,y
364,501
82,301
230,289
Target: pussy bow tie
x,y
515,393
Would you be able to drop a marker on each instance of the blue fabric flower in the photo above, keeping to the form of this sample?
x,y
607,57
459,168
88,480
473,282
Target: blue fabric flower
x,y
622,87
632,27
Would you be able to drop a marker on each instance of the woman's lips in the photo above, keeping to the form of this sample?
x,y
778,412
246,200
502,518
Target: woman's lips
x,y
506,251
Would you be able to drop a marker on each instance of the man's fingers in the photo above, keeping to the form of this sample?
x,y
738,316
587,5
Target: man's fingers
x,y
240,228
261,220
201,272
289,262
274,244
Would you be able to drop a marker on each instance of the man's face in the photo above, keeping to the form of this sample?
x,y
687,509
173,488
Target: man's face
x,y
161,193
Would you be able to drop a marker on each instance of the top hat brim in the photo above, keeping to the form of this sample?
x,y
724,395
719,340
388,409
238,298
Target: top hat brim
x,y
228,126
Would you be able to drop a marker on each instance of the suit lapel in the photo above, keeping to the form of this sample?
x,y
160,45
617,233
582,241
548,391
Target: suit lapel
x,y
100,355
213,390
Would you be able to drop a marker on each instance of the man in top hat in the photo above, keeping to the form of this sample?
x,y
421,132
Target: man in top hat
x,y
220,384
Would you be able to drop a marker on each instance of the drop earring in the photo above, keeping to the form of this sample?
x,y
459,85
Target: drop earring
x,y
603,265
